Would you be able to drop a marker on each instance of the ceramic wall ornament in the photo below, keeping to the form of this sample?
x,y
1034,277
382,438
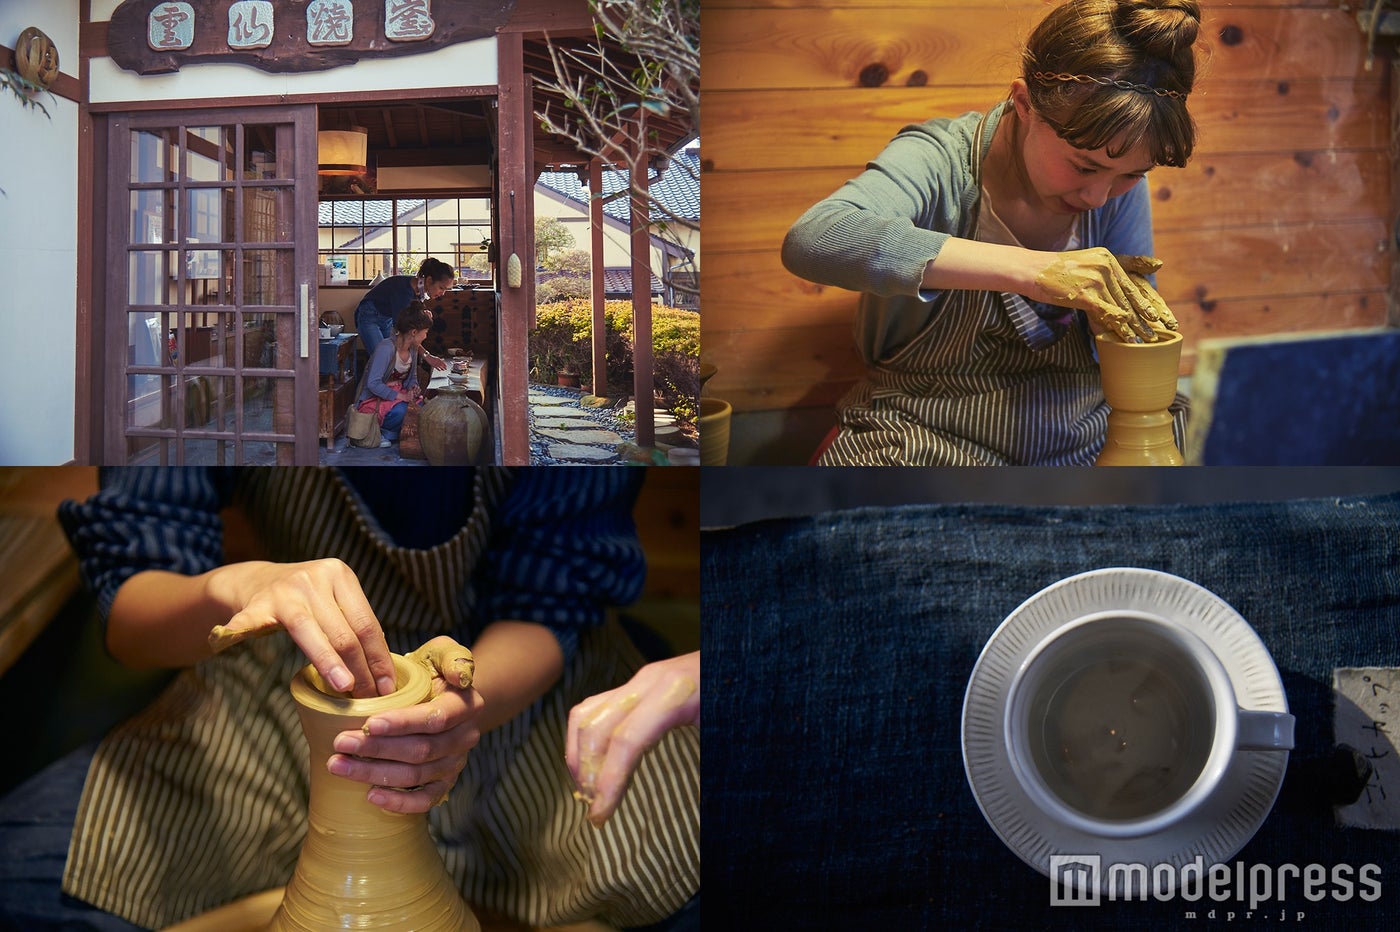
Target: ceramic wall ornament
x,y
36,57
170,27
330,22
1139,383
408,20
250,24
361,867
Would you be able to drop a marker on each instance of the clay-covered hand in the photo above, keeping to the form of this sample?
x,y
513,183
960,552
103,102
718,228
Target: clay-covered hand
x,y
608,732
1138,268
321,605
1096,281
411,757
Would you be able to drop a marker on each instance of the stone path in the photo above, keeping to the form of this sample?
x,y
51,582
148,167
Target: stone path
x,y
563,431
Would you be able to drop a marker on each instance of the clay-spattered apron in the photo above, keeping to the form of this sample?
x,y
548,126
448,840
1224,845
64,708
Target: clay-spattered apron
x,y
201,798
987,382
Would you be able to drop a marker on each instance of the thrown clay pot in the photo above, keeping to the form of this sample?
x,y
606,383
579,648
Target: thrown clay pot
x,y
361,867
1139,382
451,427
714,431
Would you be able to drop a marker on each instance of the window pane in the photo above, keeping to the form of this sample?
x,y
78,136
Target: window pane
x,y
150,277
206,340
206,266
259,342
209,277
208,153
346,238
147,400
152,217
261,154
267,215
210,217
152,155
204,400
267,276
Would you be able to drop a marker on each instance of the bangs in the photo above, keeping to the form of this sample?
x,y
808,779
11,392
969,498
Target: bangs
x,y
1117,123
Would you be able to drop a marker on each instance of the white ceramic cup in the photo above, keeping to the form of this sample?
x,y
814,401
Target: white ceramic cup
x,y
1122,723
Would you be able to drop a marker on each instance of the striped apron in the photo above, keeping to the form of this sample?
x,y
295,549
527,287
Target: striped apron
x,y
202,797
987,381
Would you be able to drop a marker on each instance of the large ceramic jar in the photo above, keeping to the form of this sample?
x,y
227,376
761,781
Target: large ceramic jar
x,y
451,427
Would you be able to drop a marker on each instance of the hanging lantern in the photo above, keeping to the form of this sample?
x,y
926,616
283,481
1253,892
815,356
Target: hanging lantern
x,y
342,152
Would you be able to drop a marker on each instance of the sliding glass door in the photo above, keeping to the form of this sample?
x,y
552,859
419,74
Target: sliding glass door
x,y
211,342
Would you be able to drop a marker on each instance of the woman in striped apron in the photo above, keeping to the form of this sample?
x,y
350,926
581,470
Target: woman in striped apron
x,y
201,798
989,248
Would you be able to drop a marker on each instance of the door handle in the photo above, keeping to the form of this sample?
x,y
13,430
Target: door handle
x,y
305,320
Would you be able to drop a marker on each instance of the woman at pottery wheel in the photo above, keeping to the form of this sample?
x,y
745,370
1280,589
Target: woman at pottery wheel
x,y
391,375
989,248
201,799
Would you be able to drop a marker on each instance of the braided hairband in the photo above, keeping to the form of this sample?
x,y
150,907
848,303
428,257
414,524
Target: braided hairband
x,y
1046,77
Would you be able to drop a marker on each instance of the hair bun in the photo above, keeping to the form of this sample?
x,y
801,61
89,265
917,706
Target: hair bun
x,y
1160,28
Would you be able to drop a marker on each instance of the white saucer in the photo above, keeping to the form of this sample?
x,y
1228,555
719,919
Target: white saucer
x,y
1223,824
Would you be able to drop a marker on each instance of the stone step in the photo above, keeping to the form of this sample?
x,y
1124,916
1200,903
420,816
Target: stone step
x,y
573,451
582,436
563,423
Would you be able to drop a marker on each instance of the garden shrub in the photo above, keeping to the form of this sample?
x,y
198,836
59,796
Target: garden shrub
x,y
562,338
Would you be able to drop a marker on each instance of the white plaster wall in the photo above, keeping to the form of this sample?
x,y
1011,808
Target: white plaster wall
x,y
38,251
466,64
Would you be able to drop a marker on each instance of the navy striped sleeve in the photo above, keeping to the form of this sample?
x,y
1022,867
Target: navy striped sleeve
x,y
156,518
564,548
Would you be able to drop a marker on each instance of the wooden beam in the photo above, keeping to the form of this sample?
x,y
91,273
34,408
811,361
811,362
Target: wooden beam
x,y
557,17
515,158
476,153
643,357
369,97
596,221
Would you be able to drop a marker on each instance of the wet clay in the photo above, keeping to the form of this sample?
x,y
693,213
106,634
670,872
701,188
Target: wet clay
x,y
360,866
448,658
591,758
1131,310
1139,383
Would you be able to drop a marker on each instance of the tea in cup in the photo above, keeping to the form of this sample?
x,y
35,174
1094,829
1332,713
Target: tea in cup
x,y
1122,723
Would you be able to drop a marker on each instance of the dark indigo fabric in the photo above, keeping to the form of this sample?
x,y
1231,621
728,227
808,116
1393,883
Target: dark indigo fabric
x,y
837,650
36,822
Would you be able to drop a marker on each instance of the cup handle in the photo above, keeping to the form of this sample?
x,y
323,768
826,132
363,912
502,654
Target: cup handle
x,y
1265,731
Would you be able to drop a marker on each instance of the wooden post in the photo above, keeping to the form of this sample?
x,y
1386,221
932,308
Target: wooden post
x,y
516,161
642,356
600,321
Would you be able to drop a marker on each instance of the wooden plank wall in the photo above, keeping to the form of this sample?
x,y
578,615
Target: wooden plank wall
x,y
1277,225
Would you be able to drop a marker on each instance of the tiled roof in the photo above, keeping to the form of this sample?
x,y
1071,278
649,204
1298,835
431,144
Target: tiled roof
x,y
678,188
615,281
619,281
371,213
